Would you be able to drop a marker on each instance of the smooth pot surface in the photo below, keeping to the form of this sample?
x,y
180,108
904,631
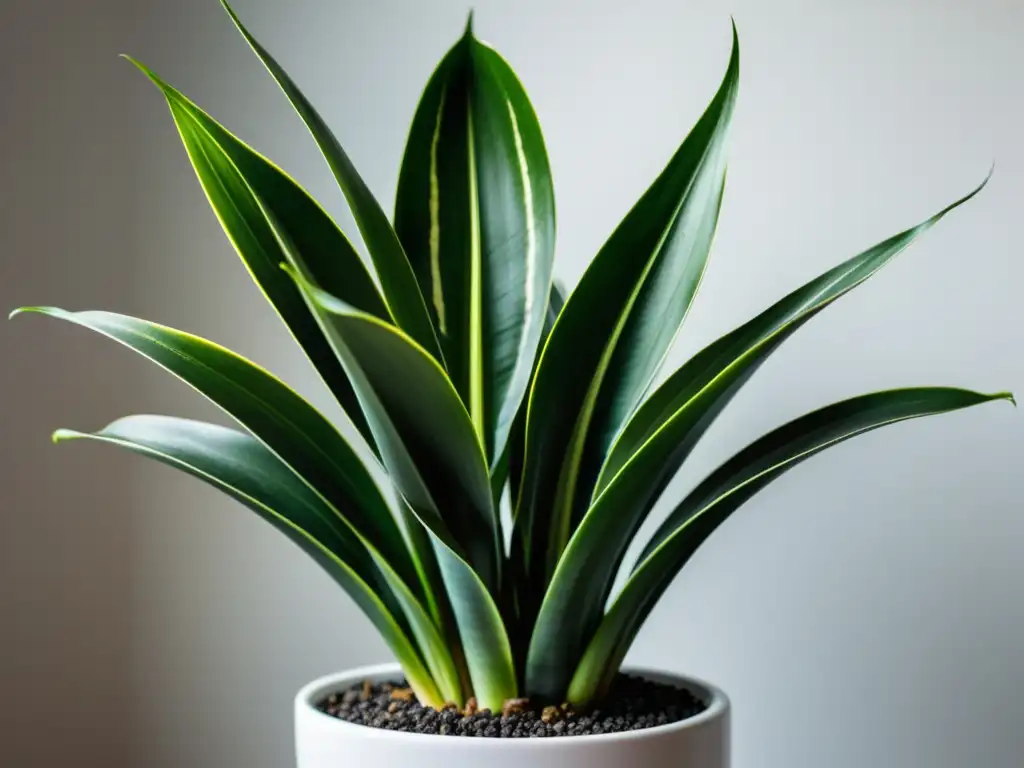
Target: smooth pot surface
x,y
323,741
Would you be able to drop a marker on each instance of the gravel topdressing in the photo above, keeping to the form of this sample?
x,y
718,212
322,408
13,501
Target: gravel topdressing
x,y
633,704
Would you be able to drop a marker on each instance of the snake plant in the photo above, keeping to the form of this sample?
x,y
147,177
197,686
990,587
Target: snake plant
x,y
468,374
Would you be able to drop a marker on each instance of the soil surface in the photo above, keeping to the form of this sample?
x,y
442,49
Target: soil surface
x,y
632,704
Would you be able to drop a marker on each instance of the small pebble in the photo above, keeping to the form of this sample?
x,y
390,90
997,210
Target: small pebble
x,y
632,704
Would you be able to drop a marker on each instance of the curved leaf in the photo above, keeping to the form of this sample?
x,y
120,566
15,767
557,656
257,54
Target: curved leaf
x,y
782,319
436,461
257,203
475,213
397,279
613,332
698,393
725,490
244,469
426,439
282,420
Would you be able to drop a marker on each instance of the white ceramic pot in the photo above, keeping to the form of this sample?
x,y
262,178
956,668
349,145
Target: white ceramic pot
x,y
323,741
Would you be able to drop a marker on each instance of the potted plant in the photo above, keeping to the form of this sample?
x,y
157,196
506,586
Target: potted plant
x,y
470,378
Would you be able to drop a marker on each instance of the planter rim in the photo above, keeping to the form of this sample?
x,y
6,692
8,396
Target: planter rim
x,y
308,695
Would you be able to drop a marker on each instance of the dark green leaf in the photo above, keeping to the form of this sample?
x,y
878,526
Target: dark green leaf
x,y
777,323
519,604
475,212
725,490
243,468
687,405
613,332
436,461
252,198
282,420
517,438
397,279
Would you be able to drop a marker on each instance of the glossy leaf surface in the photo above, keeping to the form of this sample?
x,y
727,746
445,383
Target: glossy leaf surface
x,y
429,448
258,205
475,212
244,469
613,332
675,418
397,279
725,490
282,420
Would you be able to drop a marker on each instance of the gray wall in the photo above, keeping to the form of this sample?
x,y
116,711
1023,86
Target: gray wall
x,y
868,609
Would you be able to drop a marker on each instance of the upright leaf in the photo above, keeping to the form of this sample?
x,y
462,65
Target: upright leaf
x,y
518,603
613,332
244,469
436,461
397,279
517,439
724,491
257,203
475,213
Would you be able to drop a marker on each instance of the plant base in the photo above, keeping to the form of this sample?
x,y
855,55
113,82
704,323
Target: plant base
x,y
633,704
326,741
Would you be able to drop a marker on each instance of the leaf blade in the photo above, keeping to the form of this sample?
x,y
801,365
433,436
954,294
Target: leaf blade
x,y
696,395
276,415
257,203
401,291
437,463
569,401
782,319
726,489
475,186
245,470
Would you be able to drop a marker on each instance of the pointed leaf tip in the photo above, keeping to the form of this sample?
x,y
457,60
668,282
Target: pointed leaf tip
x,y
734,56
469,24
25,310
61,435
988,176
157,80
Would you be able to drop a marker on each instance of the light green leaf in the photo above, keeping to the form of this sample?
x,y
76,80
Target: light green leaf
x,y
244,469
724,491
475,213
613,333
257,204
397,279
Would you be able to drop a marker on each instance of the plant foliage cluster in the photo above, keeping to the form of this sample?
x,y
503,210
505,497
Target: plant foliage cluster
x,y
469,374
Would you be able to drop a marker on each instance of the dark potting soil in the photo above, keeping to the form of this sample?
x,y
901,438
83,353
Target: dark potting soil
x,y
632,704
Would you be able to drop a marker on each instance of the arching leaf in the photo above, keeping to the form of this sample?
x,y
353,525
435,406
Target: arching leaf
x,y
724,491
